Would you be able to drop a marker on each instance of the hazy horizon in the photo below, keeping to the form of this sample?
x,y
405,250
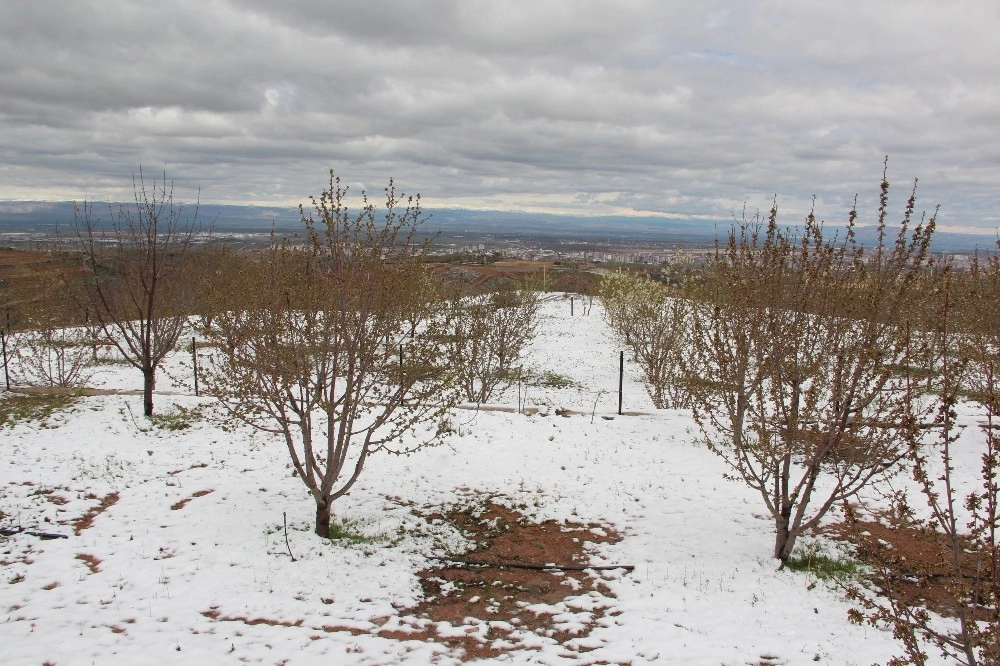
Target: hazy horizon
x,y
544,228
641,108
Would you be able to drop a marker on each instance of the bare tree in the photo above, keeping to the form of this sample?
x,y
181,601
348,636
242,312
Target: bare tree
x,y
490,333
135,294
54,346
37,319
12,301
652,321
963,527
319,349
795,364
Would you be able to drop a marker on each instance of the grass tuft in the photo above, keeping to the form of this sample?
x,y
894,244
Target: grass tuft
x,y
347,532
27,407
179,419
550,379
823,565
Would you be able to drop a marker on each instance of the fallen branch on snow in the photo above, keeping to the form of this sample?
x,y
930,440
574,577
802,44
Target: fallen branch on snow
x,y
40,535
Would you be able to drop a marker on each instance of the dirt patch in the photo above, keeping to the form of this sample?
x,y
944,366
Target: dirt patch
x,y
485,610
507,270
50,494
181,504
213,613
92,562
87,519
916,560
480,604
185,469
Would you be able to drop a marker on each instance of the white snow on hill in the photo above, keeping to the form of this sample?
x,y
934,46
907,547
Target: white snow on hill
x,y
148,581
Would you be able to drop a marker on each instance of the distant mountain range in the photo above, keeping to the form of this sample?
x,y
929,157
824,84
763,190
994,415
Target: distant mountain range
x,y
454,225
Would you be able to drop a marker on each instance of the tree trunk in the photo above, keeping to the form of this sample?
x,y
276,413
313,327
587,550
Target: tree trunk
x,y
323,518
784,540
148,384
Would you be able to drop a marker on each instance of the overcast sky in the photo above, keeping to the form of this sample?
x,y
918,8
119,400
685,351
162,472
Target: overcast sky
x,y
582,106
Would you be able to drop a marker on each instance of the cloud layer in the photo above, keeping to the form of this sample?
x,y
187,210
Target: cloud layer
x,y
583,106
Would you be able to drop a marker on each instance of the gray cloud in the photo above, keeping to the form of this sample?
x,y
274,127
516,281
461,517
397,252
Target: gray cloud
x,y
586,106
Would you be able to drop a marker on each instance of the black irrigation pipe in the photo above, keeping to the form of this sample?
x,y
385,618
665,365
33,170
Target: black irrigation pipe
x,y
40,535
532,567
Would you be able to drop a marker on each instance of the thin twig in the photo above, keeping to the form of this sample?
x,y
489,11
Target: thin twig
x,y
594,410
284,518
129,408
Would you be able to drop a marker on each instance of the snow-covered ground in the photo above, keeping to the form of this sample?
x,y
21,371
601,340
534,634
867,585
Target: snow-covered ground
x,y
152,581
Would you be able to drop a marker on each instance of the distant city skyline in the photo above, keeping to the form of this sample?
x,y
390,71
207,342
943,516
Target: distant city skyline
x,y
593,107
43,221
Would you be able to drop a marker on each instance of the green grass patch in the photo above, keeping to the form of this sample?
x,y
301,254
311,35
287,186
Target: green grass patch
x,y
180,418
823,565
35,406
109,360
550,379
347,532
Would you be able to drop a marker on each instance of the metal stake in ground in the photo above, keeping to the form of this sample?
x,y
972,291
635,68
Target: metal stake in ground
x,y
6,372
194,363
3,338
621,378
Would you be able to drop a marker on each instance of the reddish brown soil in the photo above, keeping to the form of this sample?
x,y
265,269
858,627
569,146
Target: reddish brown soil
x,y
17,266
482,611
481,275
91,561
182,503
214,614
185,469
490,605
25,274
87,519
915,563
